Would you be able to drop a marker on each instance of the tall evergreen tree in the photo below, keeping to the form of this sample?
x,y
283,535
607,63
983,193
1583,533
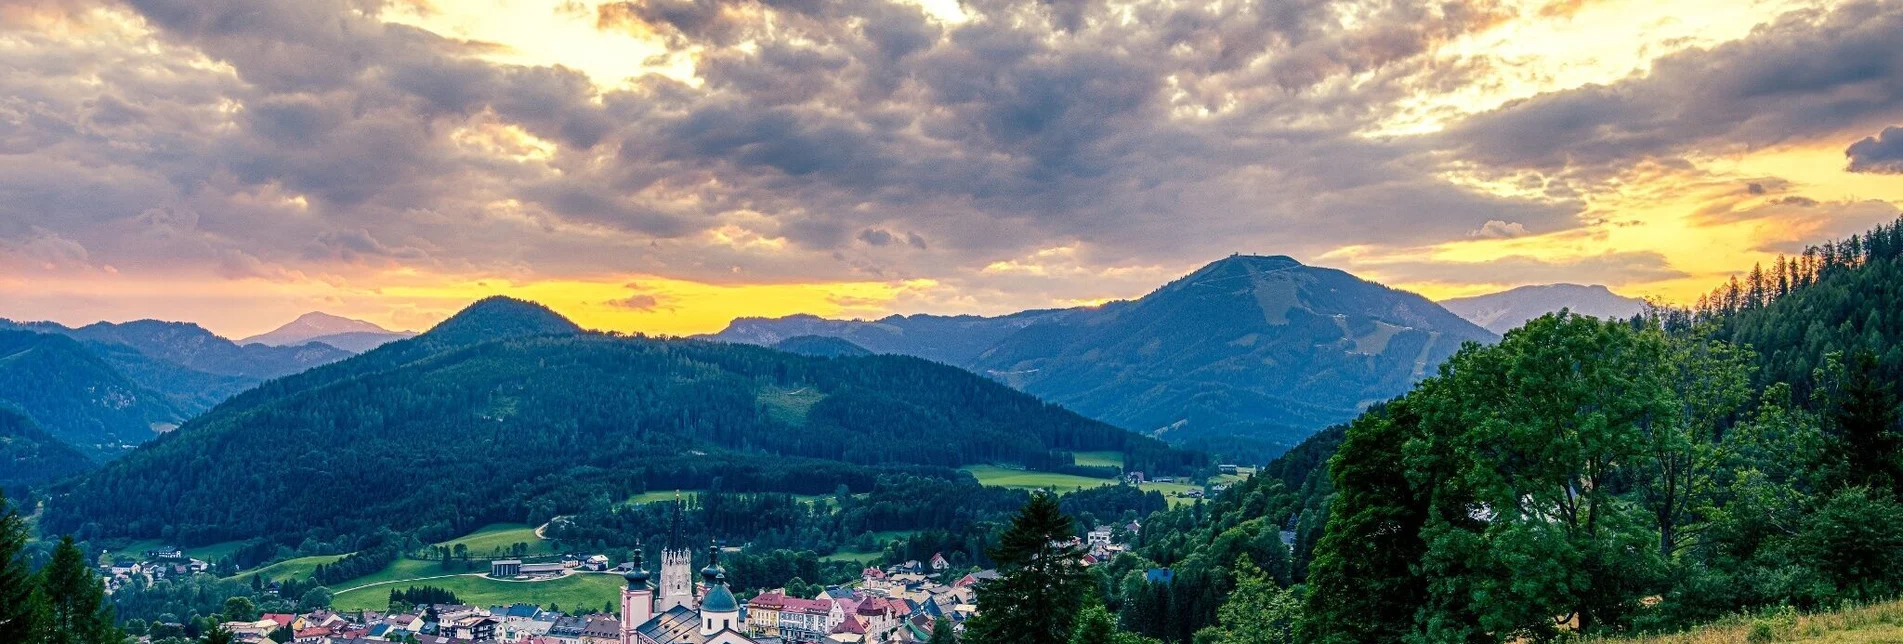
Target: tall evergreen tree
x,y
74,600
1865,414
1042,582
16,581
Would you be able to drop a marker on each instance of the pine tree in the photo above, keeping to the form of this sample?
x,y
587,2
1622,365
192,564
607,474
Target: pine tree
x,y
1865,414
1042,581
74,600
16,582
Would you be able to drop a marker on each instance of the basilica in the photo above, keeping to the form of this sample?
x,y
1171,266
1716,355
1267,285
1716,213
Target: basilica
x,y
676,615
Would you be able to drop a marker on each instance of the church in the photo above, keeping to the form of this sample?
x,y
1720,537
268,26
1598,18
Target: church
x,y
675,615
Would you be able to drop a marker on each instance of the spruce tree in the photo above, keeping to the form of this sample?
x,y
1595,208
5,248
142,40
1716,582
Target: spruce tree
x,y
1042,581
74,600
1865,416
16,582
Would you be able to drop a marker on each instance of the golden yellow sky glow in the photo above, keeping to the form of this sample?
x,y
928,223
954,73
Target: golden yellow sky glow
x,y
1550,45
1696,211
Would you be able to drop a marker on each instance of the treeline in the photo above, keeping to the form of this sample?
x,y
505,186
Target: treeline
x,y
62,603
409,598
416,439
950,517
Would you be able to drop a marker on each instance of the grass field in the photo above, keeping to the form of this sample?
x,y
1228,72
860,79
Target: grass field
x,y
214,552
1873,624
485,541
403,569
852,555
291,568
659,495
570,592
995,476
1099,459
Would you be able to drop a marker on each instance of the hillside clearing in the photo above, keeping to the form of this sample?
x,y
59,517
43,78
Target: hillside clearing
x,y
500,538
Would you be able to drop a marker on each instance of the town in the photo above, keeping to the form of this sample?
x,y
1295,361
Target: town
x,y
896,604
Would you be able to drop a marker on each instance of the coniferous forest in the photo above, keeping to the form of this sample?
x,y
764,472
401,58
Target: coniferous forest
x,y
1582,475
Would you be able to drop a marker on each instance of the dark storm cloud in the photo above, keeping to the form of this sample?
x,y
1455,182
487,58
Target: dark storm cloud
x,y
1151,132
1880,154
1805,74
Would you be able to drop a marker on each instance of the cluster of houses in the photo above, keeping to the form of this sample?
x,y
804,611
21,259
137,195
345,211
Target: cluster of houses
x,y
898,604
162,563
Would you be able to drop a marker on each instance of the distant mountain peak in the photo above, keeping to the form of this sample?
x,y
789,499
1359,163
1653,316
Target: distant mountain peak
x,y
1506,310
313,325
496,317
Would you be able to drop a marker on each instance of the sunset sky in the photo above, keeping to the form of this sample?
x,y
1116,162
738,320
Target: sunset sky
x,y
667,165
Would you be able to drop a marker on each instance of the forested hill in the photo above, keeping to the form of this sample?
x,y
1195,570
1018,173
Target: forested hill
x,y
1844,296
1655,473
30,456
445,429
1245,357
76,396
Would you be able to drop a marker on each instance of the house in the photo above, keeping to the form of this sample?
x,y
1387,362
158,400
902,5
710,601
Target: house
x,y
475,628
1165,479
938,563
595,563
601,629
1099,536
1135,478
505,568
1226,468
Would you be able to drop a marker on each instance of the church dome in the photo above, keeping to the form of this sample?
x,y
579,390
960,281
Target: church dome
x,y
719,600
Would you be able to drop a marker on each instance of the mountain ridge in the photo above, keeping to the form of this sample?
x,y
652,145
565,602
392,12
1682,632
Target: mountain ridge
x,y
581,412
318,326
1257,347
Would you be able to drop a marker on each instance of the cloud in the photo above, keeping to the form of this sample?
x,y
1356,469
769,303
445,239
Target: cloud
x,y
1880,154
1496,229
823,140
1805,74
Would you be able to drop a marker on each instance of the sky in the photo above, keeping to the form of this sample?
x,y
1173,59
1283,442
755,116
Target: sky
x,y
667,165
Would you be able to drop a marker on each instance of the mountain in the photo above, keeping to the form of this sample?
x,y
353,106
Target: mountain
x,y
500,317
78,397
507,406
361,341
1506,310
191,346
29,456
1244,357
821,346
951,339
355,336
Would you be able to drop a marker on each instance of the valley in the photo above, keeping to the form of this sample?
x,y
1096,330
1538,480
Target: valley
x,y
510,460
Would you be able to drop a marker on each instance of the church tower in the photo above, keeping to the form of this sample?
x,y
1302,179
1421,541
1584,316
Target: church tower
x,y
637,599
719,609
677,565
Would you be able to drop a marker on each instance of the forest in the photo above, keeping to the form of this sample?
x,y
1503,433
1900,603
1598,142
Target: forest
x,y
1580,476
440,437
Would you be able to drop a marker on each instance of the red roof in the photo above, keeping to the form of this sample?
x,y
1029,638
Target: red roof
x,y
851,625
282,619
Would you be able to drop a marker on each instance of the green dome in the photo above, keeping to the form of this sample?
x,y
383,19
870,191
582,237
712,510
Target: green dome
x,y
719,600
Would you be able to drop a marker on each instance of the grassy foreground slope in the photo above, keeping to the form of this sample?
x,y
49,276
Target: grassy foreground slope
x,y
1873,624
